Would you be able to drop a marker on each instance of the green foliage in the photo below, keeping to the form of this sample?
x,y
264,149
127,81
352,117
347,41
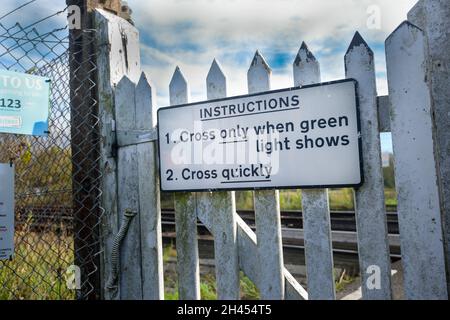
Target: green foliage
x,y
52,169
26,155
248,289
42,173
340,200
343,281
291,200
167,200
389,175
244,200
208,288
171,294
391,199
169,252
37,270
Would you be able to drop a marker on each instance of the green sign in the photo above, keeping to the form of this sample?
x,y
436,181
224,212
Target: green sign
x,y
24,103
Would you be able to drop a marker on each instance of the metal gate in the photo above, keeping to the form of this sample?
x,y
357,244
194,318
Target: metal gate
x,y
57,178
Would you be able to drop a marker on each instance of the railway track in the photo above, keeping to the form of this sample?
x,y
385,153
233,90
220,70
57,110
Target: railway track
x,y
340,220
345,247
343,224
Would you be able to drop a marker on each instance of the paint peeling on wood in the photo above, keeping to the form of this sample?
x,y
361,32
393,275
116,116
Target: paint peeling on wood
x,y
370,209
188,269
220,208
267,209
316,223
110,64
432,18
130,271
415,166
149,195
260,74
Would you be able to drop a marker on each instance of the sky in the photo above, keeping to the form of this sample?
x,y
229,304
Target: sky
x,y
191,33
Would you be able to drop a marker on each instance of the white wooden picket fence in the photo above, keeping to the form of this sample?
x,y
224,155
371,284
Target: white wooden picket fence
x,y
131,186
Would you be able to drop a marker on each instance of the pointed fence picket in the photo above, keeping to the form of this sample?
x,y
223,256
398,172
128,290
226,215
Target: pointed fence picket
x,y
210,208
432,17
141,275
149,194
115,59
267,208
188,268
127,176
315,205
373,244
221,207
134,190
416,172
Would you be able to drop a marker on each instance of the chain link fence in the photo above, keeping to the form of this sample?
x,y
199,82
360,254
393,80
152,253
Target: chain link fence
x,y
57,195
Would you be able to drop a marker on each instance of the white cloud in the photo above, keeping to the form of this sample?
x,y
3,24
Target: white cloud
x,y
34,12
190,33
263,20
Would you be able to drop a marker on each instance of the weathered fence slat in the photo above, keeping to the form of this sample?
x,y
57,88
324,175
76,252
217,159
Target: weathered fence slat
x,y
432,17
149,195
383,113
267,209
316,209
188,268
113,62
222,209
130,277
415,167
248,257
370,209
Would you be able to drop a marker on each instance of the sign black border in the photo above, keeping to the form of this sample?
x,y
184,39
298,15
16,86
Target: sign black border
x,y
322,84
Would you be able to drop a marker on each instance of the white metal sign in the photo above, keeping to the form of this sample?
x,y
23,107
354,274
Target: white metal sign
x,y
6,211
295,138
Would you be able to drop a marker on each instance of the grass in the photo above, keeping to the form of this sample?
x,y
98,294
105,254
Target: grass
x,y
343,281
208,288
340,199
37,271
248,289
31,275
391,199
